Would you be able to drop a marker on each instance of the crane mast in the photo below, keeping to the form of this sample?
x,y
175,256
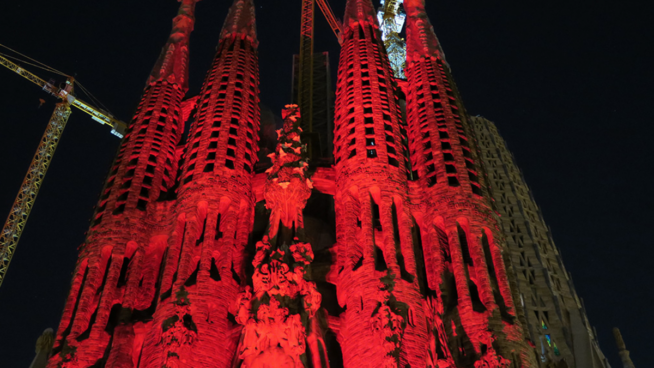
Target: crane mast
x,y
305,77
22,206
20,210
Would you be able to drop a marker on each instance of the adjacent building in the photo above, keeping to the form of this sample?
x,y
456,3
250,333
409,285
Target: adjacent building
x,y
553,313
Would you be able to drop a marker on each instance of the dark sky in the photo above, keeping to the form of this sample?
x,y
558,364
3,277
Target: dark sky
x,y
567,83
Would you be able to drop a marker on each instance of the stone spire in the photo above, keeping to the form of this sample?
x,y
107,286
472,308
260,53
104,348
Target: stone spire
x,y
43,349
359,11
622,349
143,171
147,152
172,65
240,21
224,135
376,263
463,249
421,38
215,206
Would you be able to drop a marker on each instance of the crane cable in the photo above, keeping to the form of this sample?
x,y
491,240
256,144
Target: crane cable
x,y
44,66
28,63
48,68
90,95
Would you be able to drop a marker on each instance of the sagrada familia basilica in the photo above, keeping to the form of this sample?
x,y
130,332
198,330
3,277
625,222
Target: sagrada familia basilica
x,y
197,256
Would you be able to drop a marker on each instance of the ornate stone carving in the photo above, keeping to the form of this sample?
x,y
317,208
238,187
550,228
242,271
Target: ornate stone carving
x,y
287,189
279,312
178,331
490,358
273,312
439,353
389,321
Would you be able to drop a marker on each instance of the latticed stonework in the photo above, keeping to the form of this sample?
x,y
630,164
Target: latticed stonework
x,y
384,324
554,316
155,272
462,241
146,165
172,274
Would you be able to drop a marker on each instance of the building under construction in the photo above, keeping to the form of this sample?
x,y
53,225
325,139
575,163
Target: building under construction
x,y
391,229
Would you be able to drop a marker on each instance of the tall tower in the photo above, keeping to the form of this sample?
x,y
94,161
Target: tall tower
x,y
92,329
165,254
624,353
377,283
460,233
554,316
213,211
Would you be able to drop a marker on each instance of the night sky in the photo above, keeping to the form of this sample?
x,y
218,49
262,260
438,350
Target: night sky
x,y
567,84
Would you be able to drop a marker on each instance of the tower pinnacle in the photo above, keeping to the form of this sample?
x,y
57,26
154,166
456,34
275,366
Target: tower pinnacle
x,y
144,169
172,65
622,349
357,11
240,21
446,166
215,201
421,38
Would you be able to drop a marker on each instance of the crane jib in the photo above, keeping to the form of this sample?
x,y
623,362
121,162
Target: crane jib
x,y
15,223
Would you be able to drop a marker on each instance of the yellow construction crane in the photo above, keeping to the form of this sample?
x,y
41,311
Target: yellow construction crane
x,y
331,19
13,227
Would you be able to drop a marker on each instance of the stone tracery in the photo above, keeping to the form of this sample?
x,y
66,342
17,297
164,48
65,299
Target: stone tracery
x,y
279,312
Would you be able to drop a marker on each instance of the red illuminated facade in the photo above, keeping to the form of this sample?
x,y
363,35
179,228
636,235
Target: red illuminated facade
x,y
461,235
164,256
376,275
172,275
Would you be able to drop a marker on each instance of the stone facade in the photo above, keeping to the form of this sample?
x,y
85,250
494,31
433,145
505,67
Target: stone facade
x,y
553,313
173,275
